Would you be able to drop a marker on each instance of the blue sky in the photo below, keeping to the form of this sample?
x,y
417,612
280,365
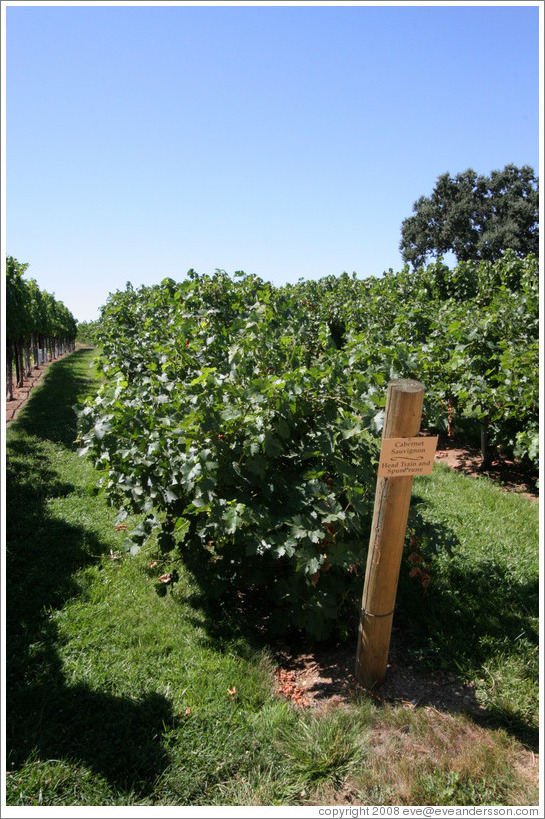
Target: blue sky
x,y
287,141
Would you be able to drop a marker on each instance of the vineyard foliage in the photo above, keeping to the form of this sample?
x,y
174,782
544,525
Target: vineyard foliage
x,y
243,420
37,324
87,333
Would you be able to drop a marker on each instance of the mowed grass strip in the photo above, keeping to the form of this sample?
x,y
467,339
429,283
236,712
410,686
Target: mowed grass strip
x,y
117,696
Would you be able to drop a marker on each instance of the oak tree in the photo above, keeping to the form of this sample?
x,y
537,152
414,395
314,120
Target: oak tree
x,y
476,217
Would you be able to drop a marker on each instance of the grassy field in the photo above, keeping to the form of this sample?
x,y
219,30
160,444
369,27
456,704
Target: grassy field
x,y
117,696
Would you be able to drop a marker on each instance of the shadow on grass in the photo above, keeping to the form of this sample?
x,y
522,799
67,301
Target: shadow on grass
x,y
471,606
49,413
473,614
116,737
232,612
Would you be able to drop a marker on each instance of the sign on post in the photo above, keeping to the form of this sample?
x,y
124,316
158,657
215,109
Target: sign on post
x,y
406,456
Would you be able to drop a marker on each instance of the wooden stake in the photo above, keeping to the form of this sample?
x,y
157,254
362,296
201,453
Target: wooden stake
x,y
402,418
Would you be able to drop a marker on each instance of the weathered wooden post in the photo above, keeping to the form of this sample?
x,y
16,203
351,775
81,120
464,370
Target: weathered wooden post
x,y
402,456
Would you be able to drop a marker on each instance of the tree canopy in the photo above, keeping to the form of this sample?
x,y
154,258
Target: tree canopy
x,y
477,217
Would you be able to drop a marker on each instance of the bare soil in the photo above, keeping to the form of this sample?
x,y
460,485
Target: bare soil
x,y
21,394
511,475
325,676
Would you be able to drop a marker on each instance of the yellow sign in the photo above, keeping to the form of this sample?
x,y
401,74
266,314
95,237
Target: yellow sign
x,y
400,457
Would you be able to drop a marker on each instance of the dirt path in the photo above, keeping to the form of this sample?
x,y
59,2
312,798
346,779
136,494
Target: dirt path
x,y
21,394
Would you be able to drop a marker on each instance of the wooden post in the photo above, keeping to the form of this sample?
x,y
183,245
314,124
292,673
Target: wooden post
x,y
402,418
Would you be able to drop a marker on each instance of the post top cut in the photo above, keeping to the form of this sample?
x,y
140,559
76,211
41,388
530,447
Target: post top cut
x,y
407,385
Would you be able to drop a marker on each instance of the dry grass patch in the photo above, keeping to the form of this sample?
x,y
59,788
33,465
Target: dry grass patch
x,y
425,756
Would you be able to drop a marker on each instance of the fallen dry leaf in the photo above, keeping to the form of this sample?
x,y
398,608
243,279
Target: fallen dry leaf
x,y
289,690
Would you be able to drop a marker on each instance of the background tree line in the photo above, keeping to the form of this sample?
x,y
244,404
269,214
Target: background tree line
x,y
39,327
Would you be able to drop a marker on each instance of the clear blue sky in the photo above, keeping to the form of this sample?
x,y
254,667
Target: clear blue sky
x,y
285,141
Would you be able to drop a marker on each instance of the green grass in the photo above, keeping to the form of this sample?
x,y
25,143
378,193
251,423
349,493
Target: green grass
x,y
480,616
117,696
